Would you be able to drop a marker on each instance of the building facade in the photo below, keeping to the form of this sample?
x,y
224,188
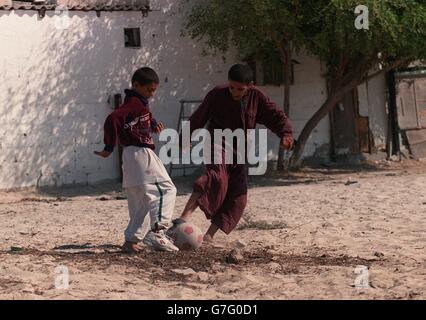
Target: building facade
x,y
60,71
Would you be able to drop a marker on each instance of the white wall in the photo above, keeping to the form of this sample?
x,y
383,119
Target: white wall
x,y
307,95
372,103
55,85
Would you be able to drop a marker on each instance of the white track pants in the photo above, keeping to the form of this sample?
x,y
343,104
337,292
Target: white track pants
x,y
149,205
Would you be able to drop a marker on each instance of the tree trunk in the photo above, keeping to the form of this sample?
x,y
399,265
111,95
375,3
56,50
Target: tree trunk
x,y
286,59
336,95
351,81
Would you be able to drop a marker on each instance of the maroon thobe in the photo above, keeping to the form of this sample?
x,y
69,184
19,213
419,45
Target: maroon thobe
x,y
223,187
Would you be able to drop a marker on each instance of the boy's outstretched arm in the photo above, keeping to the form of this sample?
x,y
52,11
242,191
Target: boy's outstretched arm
x,y
110,136
103,154
199,118
277,121
203,113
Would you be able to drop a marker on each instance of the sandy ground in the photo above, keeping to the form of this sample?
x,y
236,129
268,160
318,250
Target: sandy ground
x,y
302,237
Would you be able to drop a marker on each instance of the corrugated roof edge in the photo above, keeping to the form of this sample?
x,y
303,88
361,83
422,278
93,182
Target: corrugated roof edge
x,y
77,8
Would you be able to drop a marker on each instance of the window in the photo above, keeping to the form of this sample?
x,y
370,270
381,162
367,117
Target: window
x,y
132,37
270,70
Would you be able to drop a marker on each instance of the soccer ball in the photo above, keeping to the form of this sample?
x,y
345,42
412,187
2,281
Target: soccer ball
x,y
186,236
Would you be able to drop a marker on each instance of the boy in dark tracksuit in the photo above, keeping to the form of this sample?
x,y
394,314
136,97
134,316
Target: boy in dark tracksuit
x,y
150,191
221,192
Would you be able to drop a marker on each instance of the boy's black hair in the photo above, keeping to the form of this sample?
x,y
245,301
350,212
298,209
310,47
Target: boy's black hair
x,y
241,73
145,76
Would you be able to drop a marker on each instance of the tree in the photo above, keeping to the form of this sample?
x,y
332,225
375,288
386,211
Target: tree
x,y
394,36
257,28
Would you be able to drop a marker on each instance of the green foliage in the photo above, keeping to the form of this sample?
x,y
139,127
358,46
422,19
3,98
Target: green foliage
x,y
326,28
254,27
397,30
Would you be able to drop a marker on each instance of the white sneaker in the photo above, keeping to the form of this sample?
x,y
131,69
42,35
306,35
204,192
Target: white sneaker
x,y
159,241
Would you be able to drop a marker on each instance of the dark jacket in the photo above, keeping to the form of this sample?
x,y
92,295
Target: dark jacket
x,y
131,124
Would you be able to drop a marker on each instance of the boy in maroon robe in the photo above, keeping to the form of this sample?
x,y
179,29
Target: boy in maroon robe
x,y
221,192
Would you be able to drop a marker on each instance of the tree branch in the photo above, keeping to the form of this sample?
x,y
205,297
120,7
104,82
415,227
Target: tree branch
x,y
394,65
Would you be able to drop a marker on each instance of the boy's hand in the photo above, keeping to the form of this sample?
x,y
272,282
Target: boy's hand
x,y
158,128
287,143
103,154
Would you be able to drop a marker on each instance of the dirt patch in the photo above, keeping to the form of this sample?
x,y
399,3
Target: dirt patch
x,y
249,223
300,238
7,283
207,259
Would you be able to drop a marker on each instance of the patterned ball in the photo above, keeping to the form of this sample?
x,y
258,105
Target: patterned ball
x,y
186,236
